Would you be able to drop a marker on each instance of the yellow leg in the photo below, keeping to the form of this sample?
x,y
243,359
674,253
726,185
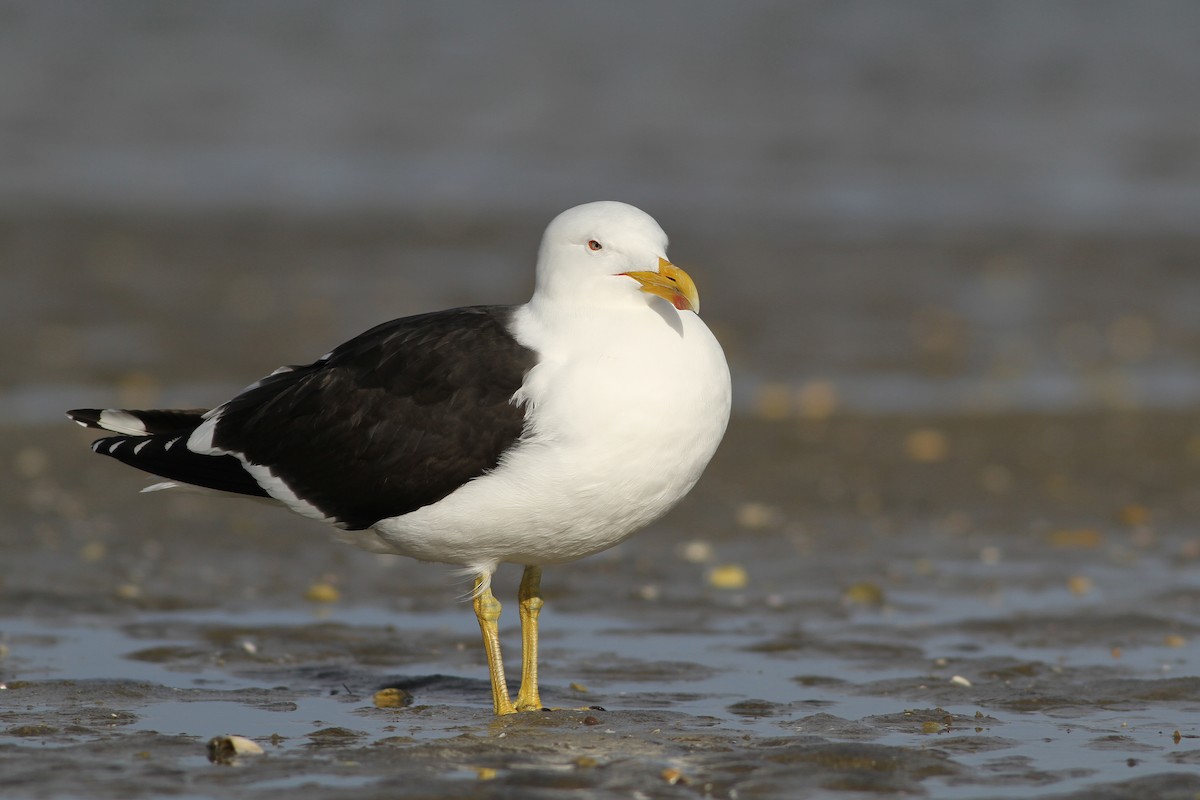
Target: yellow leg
x,y
529,596
487,610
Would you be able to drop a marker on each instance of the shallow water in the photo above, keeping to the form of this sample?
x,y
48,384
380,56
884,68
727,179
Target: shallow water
x,y
158,676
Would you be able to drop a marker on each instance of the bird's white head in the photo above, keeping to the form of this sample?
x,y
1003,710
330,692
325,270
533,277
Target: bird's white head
x,y
609,253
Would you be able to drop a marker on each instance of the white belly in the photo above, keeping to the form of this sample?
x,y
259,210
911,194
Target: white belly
x,y
622,427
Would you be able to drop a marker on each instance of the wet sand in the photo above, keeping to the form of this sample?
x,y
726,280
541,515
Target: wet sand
x,y
1008,609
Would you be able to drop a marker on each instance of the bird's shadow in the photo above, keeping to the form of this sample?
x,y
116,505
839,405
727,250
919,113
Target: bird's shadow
x,y
667,312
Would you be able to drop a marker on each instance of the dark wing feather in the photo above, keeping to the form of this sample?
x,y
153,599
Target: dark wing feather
x,y
162,450
168,456
393,420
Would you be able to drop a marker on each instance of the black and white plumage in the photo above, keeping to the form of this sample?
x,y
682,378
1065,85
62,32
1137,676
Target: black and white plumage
x,y
533,434
381,426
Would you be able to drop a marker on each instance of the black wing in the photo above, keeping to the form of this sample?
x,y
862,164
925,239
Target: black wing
x,y
169,457
161,447
393,420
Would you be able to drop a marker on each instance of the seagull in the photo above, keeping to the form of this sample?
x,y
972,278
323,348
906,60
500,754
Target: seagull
x,y
535,434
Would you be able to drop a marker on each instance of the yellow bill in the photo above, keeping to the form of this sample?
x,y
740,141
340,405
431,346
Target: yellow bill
x,y
670,283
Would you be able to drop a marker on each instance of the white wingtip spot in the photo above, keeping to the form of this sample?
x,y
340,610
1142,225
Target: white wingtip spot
x,y
118,421
112,448
137,448
158,487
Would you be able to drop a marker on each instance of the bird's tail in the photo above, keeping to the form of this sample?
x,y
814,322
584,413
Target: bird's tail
x,y
156,442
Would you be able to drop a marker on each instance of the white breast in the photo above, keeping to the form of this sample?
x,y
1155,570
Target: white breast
x,y
626,407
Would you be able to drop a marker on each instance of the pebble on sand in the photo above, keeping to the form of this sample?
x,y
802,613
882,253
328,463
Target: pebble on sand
x,y
226,749
728,576
322,593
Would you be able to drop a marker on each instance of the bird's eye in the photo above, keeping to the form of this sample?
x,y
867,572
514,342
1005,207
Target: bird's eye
x,y
594,245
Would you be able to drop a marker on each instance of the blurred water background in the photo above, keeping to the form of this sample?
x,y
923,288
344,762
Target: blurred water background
x,y
920,206
864,116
